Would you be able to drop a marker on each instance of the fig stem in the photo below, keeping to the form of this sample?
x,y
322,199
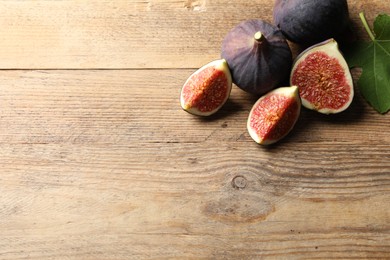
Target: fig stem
x,y
366,26
259,36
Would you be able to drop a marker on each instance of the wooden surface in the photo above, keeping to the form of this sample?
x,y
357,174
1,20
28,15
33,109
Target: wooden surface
x,y
98,161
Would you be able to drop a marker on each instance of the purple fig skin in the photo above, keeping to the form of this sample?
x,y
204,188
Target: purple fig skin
x,y
307,22
258,56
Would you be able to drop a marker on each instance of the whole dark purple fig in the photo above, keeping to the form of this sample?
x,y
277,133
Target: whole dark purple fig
x,y
308,22
258,56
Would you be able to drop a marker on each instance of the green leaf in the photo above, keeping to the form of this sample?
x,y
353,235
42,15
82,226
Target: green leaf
x,y
374,59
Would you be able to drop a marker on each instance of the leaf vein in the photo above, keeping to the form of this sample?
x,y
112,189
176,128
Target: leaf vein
x,y
384,50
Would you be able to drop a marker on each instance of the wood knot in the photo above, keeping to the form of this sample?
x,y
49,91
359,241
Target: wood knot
x,y
238,208
239,182
197,6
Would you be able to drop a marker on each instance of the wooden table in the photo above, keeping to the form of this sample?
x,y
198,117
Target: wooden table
x,y
98,160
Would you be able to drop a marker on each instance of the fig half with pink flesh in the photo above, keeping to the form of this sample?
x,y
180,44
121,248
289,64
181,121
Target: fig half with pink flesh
x,y
207,89
274,115
323,78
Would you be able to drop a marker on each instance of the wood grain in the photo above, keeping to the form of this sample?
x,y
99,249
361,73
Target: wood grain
x,y
98,161
130,34
94,168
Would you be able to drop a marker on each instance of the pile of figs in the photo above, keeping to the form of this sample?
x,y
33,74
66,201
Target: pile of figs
x,y
257,58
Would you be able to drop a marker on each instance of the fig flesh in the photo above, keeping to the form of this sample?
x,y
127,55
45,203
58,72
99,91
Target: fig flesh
x,y
258,56
323,78
308,22
207,89
274,115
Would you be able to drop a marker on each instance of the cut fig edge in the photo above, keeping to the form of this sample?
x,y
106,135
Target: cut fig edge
x,y
288,91
219,64
331,48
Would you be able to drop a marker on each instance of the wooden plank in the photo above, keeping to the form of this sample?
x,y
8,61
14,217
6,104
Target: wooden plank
x,y
104,202
142,105
130,34
105,164
80,193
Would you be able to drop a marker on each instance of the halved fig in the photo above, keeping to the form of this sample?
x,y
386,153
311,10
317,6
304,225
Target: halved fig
x,y
274,115
207,89
323,78
258,56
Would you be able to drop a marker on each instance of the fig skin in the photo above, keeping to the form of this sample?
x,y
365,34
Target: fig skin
x,y
323,78
274,115
307,22
258,56
207,89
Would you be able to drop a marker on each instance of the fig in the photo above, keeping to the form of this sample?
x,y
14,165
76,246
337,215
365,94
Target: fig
x,y
274,115
308,22
207,89
323,78
258,56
